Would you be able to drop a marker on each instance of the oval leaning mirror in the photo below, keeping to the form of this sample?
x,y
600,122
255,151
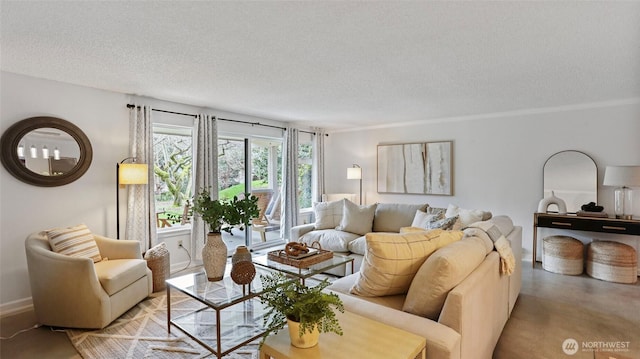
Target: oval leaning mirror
x,y
46,151
573,177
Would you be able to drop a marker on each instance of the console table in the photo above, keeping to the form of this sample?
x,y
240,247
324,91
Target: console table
x,y
581,223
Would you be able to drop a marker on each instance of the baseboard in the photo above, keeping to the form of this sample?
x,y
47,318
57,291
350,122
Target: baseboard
x,y
16,307
179,267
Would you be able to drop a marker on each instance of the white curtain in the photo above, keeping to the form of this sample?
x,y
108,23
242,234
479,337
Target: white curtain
x,y
205,162
289,198
141,209
318,162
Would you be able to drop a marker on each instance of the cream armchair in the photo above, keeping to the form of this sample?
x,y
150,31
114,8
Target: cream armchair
x,y
74,292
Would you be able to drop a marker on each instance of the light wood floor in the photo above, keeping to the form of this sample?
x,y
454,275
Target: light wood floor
x,y
551,308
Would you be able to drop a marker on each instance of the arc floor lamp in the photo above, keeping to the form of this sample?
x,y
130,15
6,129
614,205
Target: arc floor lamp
x,y
128,173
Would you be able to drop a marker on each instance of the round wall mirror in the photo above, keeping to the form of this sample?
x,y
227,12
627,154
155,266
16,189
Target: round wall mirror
x,y
573,177
46,151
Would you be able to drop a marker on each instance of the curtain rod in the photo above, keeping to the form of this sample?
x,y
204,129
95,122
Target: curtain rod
x,y
221,119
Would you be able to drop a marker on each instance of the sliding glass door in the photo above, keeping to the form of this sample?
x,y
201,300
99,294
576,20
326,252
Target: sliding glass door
x,y
263,157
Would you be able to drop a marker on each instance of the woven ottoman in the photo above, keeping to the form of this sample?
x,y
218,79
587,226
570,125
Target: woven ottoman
x,y
612,261
562,255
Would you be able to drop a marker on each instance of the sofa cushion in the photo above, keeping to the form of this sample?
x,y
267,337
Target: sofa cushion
x,y
440,273
74,241
390,217
358,245
391,260
330,239
357,219
328,214
116,274
466,216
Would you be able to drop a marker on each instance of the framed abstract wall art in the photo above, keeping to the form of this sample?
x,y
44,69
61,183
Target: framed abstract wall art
x,y
416,168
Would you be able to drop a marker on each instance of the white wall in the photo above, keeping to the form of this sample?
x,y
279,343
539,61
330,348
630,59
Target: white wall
x,y
90,200
104,118
498,158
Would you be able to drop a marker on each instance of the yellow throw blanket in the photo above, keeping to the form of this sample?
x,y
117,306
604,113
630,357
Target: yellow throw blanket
x,y
500,243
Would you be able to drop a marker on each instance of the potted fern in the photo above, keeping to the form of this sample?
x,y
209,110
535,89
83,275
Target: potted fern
x,y
308,311
221,215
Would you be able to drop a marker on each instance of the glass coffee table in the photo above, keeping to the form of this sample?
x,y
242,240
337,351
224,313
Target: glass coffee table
x,y
303,273
231,315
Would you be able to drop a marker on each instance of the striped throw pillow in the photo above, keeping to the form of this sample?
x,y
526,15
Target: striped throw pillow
x,y
75,241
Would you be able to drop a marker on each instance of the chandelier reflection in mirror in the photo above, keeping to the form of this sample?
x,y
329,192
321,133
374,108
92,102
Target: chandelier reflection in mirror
x,y
43,161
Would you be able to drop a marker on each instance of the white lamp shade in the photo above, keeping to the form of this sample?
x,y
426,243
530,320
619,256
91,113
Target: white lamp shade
x,y
354,173
622,176
133,173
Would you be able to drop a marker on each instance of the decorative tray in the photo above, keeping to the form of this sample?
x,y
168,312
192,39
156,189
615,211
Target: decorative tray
x,y
307,261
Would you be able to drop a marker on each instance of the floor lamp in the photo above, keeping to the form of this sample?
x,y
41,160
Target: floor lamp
x,y
355,172
128,173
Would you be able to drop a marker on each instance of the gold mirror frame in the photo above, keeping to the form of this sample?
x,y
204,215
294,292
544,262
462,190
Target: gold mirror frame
x,y
13,135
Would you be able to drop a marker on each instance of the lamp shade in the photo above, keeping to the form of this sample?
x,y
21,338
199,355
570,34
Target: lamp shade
x,y
354,173
133,173
622,176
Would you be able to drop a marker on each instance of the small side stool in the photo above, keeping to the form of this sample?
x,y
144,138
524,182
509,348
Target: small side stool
x,y
562,255
612,261
159,262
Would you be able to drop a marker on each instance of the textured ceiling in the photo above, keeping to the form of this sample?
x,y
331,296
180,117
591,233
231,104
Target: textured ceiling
x,y
334,64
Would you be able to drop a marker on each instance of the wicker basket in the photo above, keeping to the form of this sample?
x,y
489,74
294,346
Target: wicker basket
x,y
562,255
612,261
160,264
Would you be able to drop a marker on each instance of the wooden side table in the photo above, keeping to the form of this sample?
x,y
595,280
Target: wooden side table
x,y
581,223
363,338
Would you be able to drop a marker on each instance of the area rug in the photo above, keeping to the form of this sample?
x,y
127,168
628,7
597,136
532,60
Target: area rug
x,y
142,333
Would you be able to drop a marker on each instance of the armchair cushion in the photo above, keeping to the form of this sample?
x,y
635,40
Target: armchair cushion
x,y
75,241
114,275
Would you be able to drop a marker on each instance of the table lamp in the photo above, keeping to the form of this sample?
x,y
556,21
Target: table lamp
x,y
622,177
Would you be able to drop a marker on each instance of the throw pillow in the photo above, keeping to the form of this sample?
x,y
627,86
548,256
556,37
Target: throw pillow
x,y
466,216
328,214
75,241
433,220
440,273
421,219
391,260
357,219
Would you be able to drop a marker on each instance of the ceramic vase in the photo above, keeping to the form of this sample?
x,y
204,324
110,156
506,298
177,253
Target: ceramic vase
x,y
214,257
307,340
546,202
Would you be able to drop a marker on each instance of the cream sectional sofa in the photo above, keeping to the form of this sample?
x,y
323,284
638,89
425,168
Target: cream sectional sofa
x,y
466,316
474,311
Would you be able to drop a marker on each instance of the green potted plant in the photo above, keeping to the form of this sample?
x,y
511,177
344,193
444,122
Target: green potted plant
x,y
221,215
308,311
